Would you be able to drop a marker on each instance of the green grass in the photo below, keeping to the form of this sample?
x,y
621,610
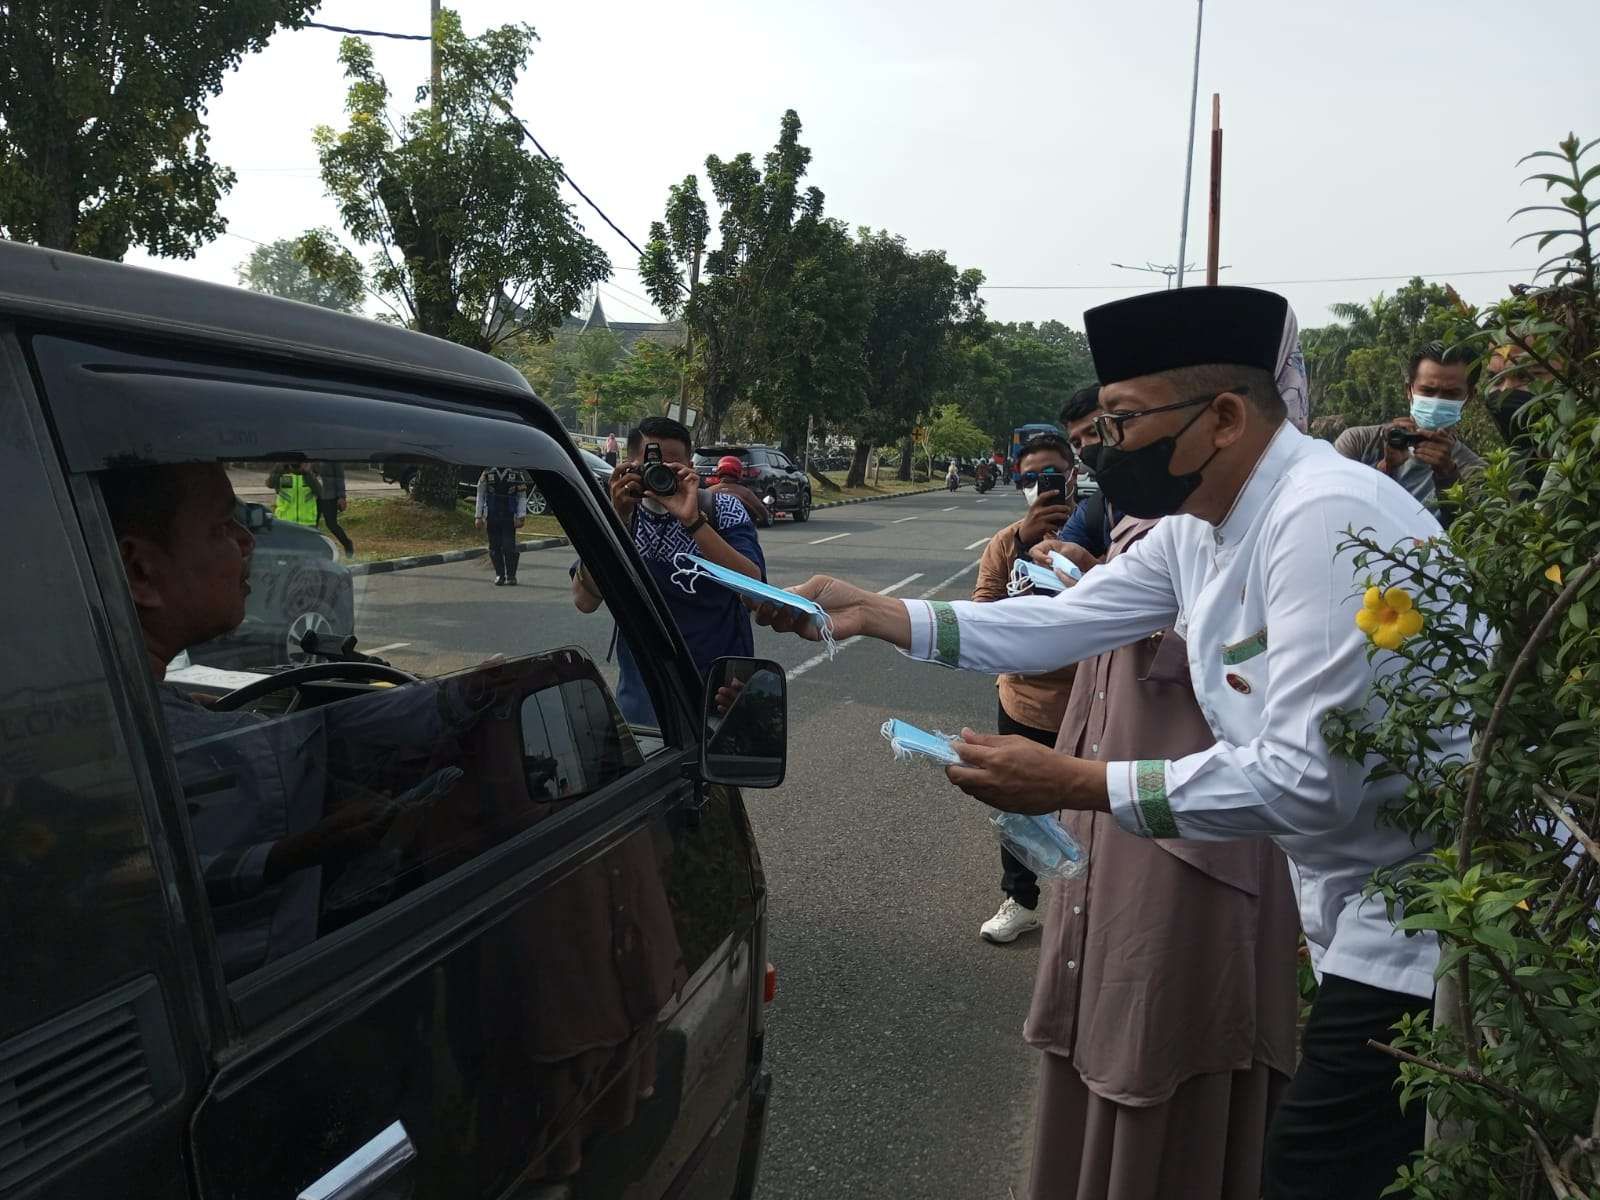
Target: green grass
x,y
397,526
888,485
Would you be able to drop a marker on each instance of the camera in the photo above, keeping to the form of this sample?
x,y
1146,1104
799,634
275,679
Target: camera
x,y
656,475
1399,439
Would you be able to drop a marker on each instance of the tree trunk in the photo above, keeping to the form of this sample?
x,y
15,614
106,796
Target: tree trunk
x,y
858,464
828,485
907,448
436,486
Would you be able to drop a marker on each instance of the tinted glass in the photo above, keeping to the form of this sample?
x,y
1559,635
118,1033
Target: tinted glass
x,y
475,701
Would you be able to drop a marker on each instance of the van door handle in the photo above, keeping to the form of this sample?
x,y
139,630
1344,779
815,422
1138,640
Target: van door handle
x,y
360,1176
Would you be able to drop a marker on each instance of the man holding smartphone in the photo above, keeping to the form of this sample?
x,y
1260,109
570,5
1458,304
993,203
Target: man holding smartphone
x,y
1030,705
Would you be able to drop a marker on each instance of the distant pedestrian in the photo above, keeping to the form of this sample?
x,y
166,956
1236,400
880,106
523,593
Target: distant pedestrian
x,y
952,479
295,484
610,454
501,508
332,500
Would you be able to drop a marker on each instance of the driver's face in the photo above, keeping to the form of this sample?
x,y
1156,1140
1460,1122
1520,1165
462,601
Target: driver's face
x,y
200,578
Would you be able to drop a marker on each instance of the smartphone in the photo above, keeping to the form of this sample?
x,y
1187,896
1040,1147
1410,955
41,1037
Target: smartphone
x,y
1052,483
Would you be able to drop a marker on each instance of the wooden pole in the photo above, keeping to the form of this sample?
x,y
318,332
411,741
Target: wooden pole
x,y
1214,235
433,47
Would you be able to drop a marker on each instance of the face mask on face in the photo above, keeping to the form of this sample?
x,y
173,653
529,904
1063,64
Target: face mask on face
x,y
1430,412
1140,483
1030,494
652,505
1504,407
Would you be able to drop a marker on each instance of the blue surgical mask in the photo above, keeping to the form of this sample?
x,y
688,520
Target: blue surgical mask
x,y
688,569
1430,412
907,741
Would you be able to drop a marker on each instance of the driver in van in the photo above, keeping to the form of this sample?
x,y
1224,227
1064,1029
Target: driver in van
x,y
187,562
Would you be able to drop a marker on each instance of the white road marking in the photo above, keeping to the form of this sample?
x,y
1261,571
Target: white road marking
x,y
832,537
981,499
902,520
976,544
952,508
390,646
817,660
796,672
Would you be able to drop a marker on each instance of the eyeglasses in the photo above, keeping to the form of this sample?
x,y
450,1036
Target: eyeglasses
x,y
1109,425
1028,479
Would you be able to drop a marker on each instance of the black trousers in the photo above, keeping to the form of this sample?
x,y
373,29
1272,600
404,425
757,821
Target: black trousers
x,y
503,552
1339,1133
1016,881
328,514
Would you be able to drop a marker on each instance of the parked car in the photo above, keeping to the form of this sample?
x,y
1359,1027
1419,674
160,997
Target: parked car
x,y
435,922
768,472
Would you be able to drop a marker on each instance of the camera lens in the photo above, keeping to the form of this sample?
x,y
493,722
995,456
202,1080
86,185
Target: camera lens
x,y
659,478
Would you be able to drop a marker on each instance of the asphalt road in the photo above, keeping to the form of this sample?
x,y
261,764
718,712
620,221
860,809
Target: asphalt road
x,y
895,1040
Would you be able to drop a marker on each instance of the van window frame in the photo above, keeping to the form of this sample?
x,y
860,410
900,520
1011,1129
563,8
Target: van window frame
x,y
436,915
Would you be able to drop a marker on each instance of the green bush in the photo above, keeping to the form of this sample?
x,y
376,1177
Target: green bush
x,y
1510,1067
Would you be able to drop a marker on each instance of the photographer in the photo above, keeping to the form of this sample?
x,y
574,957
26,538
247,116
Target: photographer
x,y
658,498
1420,452
1030,705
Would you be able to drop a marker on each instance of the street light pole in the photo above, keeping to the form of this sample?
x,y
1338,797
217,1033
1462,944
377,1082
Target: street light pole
x,y
1188,168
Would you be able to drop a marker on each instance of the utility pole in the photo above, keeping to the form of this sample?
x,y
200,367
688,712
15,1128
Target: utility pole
x,y
1214,229
688,340
1188,166
433,50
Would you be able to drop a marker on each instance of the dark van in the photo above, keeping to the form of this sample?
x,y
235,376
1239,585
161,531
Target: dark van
x,y
415,915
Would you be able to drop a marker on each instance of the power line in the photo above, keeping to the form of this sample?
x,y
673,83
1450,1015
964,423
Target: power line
x,y
404,37
1135,287
505,107
626,305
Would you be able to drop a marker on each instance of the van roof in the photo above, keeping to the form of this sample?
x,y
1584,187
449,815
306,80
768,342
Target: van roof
x,y
58,288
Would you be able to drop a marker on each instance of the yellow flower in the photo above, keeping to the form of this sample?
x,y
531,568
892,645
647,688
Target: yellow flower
x,y
1388,617
1553,573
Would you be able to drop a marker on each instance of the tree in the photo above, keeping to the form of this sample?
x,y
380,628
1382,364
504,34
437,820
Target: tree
x,y
278,270
951,434
641,383
473,241
921,308
102,146
735,308
1510,1066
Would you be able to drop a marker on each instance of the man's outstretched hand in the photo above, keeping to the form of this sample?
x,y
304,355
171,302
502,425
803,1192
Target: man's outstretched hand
x,y
854,612
1019,775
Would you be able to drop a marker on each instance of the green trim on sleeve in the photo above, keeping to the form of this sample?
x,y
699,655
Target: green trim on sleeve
x,y
946,634
1150,794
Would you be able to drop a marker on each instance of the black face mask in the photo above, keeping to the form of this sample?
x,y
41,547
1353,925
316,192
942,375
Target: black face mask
x,y
1140,483
1503,408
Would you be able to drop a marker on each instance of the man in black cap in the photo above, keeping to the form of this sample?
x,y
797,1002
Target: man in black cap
x,y
1248,567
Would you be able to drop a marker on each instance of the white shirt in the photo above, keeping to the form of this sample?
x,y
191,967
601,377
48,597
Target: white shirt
x,y
1266,602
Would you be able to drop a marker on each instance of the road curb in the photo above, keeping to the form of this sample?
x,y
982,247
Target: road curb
x,y
873,499
385,566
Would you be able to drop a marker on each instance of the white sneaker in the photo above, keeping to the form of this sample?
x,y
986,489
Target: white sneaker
x,y
1010,923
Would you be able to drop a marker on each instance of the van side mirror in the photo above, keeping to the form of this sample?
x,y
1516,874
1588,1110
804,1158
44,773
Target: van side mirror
x,y
745,736
255,517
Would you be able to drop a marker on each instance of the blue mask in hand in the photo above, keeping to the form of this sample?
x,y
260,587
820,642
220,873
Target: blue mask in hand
x,y
688,569
907,741
1430,412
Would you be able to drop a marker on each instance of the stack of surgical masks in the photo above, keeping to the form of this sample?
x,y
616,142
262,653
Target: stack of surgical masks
x,y
1040,842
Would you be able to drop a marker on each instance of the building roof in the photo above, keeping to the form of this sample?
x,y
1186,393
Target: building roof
x,y
629,333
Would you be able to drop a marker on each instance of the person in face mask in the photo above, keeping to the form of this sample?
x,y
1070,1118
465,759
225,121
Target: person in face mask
x,y
1250,564
1420,451
1030,706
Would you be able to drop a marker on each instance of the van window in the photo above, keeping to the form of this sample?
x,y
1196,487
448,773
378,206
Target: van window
x,y
371,672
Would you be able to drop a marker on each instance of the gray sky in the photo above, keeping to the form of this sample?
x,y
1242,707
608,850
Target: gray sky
x,y
1036,141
